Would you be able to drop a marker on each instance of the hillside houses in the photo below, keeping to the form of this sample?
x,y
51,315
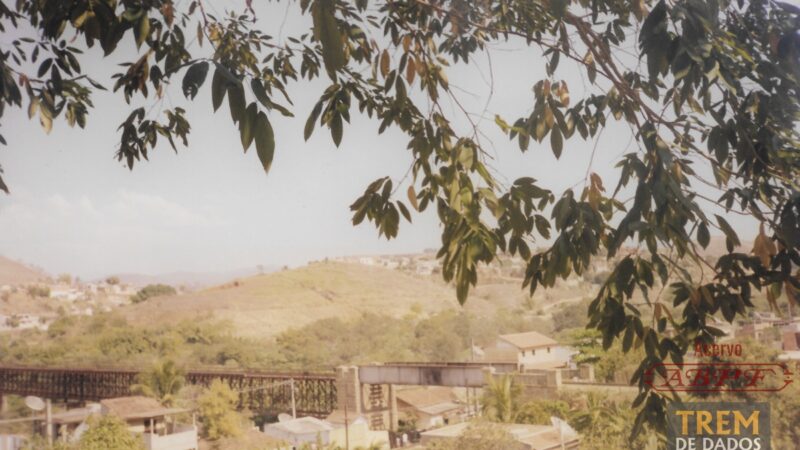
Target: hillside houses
x,y
420,264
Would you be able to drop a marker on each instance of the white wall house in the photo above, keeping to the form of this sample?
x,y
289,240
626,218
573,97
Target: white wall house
x,y
310,430
531,350
65,293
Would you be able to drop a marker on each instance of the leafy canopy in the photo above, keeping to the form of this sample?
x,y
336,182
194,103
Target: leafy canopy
x,y
109,432
714,103
217,409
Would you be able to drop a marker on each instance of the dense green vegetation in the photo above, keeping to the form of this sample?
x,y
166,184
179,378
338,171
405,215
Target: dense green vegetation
x,y
604,422
109,340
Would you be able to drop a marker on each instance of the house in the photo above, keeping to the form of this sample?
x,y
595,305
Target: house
x,y
299,431
144,416
763,332
791,337
530,350
528,437
65,293
430,407
334,431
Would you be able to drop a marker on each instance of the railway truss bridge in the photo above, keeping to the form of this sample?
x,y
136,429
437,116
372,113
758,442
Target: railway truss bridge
x,y
314,393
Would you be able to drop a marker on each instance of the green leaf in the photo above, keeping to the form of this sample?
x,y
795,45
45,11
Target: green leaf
x,y
44,67
627,340
142,31
731,239
236,101
247,125
336,129
404,210
326,30
312,120
703,237
558,8
194,78
218,89
556,141
265,140
260,92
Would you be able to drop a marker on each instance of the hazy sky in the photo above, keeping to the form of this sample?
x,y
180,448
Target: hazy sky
x,y
74,208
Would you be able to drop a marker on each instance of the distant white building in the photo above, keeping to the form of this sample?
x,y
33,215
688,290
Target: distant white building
x,y
426,267
310,430
65,293
530,350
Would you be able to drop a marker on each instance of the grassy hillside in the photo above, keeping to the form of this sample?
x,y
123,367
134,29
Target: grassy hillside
x,y
15,273
266,305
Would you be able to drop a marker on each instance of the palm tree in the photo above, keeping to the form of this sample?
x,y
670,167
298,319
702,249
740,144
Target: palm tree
x,y
598,415
163,382
500,399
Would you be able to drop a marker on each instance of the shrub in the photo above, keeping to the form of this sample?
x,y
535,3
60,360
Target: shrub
x,y
109,433
152,290
217,410
36,290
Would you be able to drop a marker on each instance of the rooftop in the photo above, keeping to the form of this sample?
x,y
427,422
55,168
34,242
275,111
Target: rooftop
x,y
421,397
534,437
302,425
530,339
136,407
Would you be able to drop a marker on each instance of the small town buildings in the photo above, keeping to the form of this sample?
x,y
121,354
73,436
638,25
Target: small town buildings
x,y
530,350
528,437
430,407
145,416
310,430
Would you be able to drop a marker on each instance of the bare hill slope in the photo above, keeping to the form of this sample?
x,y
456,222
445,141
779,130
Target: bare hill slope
x,y
15,273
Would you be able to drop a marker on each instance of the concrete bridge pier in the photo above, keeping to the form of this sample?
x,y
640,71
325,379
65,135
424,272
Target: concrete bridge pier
x,y
394,421
3,403
348,390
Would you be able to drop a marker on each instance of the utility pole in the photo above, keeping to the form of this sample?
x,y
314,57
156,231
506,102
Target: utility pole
x,y
346,422
472,359
294,407
48,414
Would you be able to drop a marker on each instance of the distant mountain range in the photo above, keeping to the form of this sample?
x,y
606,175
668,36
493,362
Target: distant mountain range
x,y
191,280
